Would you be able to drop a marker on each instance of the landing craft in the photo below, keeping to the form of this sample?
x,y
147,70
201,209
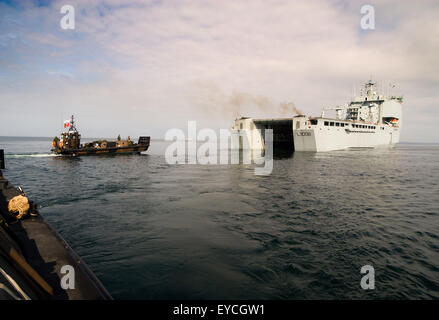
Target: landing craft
x,y
69,144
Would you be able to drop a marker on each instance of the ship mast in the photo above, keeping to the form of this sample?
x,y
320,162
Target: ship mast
x,y
370,86
72,125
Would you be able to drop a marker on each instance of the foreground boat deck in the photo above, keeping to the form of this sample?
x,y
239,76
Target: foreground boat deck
x,y
46,252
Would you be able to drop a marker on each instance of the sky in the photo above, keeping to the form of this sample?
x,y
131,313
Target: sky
x,y
144,67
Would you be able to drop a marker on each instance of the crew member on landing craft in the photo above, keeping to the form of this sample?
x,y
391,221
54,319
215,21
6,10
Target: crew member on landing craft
x,y
55,142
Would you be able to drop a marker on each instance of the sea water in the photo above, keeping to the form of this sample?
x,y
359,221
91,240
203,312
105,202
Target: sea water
x,y
151,230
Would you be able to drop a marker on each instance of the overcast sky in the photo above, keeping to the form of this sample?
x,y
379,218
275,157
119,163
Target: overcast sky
x,y
143,67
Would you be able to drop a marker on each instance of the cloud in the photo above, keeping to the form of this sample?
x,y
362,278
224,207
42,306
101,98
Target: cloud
x,y
152,65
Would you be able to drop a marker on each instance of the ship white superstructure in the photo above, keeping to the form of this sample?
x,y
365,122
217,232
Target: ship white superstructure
x,y
368,121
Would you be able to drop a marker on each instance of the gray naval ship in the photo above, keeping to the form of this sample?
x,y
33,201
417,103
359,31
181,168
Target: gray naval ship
x,y
34,258
369,120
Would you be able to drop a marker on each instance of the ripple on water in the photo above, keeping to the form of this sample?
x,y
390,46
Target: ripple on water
x,y
154,230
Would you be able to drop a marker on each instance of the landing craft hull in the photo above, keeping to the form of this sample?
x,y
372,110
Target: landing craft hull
x,y
100,151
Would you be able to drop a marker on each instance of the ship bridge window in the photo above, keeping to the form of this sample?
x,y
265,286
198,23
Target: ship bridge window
x,y
314,121
337,124
342,124
331,124
326,123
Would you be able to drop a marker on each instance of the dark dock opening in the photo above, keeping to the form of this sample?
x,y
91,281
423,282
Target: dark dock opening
x,y
283,140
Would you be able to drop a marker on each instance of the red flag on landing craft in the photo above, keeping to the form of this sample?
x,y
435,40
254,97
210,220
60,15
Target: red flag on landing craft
x,y
66,123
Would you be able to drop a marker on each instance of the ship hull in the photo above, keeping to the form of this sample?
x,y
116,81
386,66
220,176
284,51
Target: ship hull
x,y
353,135
318,137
